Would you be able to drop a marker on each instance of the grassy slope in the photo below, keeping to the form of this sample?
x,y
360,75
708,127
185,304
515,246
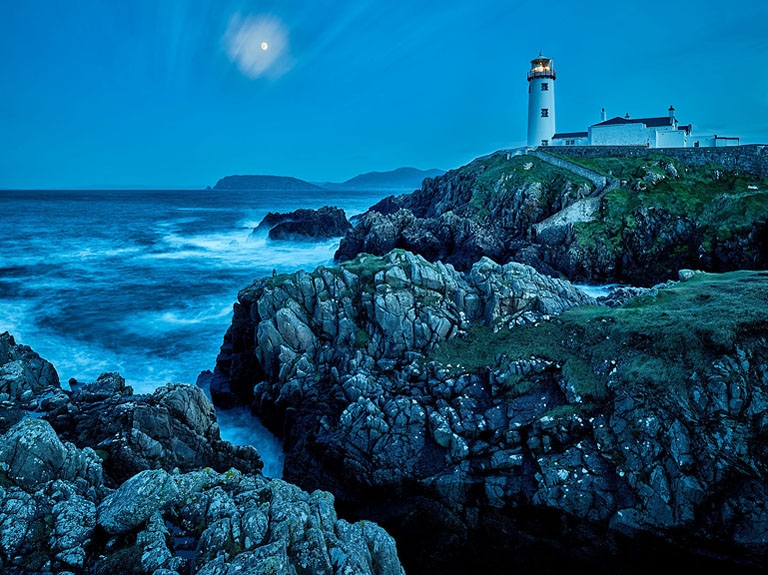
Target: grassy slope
x,y
653,342
724,206
495,174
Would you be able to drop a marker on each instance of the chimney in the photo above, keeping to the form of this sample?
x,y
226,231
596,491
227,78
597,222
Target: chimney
x,y
602,115
672,119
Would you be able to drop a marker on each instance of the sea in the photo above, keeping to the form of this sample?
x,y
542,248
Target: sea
x,y
143,282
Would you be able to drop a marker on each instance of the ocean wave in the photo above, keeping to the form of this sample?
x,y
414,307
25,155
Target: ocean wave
x,y
190,316
238,426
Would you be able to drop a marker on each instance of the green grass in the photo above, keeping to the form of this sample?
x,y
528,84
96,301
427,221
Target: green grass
x,y
691,193
722,207
654,343
494,174
618,167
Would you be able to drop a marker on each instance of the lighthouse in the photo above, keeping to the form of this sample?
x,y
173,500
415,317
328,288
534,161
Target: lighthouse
x,y
541,102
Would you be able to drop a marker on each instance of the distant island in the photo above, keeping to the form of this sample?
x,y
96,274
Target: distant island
x,y
264,183
399,179
407,179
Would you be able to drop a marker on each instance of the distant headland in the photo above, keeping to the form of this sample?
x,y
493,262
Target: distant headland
x,y
407,179
264,183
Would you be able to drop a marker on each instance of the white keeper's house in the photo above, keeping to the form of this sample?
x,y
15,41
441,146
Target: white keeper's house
x,y
660,132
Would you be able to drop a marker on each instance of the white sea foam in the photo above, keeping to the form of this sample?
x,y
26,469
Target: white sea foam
x,y
238,426
183,318
143,284
196,314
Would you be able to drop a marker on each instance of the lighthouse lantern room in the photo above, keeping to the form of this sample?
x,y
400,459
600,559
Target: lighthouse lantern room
x,y
541,102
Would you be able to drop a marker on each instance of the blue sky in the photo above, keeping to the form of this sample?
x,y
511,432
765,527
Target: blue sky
x,y
183,92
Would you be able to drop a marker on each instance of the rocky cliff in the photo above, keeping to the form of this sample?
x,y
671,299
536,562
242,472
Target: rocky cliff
x,y
597,219
100,481
499,420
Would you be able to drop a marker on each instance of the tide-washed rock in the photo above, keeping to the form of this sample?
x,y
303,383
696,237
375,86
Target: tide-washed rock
x,y
174,427
305,224
57,514
25,377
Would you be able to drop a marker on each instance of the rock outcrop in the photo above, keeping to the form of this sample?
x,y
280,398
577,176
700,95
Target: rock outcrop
x,y
303,224
175,427
639,222
487,432
64,509
23,373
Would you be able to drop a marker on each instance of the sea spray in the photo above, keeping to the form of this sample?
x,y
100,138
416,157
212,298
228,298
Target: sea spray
x,y
143,282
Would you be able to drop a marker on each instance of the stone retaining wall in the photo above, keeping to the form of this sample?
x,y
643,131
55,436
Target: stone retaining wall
x,y
752,158
598,180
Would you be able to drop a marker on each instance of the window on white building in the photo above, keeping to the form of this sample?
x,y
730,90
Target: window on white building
x,y
545,142
545,112
570,142
545,86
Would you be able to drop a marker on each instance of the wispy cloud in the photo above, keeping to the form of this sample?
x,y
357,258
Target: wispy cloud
x,y
258,45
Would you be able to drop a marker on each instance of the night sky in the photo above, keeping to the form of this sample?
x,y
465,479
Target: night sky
x,y
179,93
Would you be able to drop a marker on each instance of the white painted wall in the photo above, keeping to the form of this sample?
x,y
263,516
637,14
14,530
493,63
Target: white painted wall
x,y
576,141
540,128
621,135
670,139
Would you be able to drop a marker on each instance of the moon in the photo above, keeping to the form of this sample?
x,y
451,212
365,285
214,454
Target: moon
x,y
264,46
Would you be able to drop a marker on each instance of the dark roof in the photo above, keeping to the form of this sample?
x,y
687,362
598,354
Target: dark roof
x,y
649,122
571,135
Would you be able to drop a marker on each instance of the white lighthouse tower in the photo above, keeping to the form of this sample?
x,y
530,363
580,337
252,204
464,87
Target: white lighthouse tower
x,y
541,102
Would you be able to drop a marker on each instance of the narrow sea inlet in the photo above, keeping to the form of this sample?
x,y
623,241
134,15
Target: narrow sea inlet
x,y
143,282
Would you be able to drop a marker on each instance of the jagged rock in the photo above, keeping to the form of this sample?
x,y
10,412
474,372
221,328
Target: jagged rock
x,y
450,220
137,500
74,520
57,515
339,362
175,427
326,222
17,511
33,455
567,221
23,373
407,304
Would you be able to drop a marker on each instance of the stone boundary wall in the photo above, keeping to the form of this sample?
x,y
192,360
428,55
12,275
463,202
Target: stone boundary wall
x,y
751,158
598,180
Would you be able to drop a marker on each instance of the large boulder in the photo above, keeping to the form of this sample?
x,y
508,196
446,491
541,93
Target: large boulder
x,y
33,455
137,500
305,224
